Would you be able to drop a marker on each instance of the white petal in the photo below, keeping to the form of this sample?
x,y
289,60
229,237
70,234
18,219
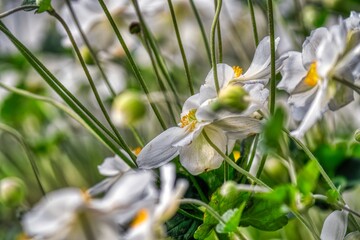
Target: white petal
x,y
191,103
113,166
261,59
53,213
199,156
239,127
311,44
225,73
160,150
335,226
292,72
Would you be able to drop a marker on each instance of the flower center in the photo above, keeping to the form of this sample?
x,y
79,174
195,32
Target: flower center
x,y
140,217
189,120
137,151
237,71
312,76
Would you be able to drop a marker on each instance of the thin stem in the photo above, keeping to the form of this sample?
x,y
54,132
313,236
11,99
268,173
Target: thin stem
x,y
17,9
220,51
66,95
253,22
253,151
132,63
92,84
272,50
307,225
348,84
136,135
185,213
234,165
212,44
91,50
160,81
262,164
197,186
182,51
27,151
202,29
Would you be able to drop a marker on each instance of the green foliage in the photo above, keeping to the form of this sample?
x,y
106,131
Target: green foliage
x,y
284,194
308,177
272,130
44,5
232,218
331,155
258,212
181,227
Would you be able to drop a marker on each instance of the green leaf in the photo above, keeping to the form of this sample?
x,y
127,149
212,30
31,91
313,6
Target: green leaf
x,y
232,218
44,5
181,227
308,177
331,156
258,212
272,130
284,194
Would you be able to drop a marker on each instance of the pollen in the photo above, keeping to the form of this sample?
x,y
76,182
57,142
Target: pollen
x,y
140,217
312,76
237,155
137,151
237,71
189,120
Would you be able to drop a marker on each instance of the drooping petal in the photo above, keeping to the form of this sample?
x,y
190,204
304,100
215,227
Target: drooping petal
x,y
113,166
292,72
200,156
317,108
239,127
161,150
335,226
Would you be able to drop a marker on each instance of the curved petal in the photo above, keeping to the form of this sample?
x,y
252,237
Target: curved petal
x,y
200,156
113,166
292,72
239,127
191,103
335,226
311,45
160,150
225,74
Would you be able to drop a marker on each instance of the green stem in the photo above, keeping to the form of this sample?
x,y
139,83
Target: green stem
x,y
253,152
202,29
65,95
92,85
17,9
132,63
272,49
136,135
306,224
91,50
234,165
185,213
182,51
262,164
212,44
28,153
253,22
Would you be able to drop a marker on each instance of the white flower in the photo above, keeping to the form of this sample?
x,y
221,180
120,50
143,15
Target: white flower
x,y
72,214
149,223
187,140
317,77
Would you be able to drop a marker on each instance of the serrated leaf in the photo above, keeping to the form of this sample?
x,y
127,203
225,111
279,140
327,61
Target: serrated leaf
x,y
232,218
44,5
308,177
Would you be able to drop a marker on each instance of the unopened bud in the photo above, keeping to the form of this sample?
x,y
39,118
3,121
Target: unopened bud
x,y
12,191
128,108
232,98
86,54
135,28
357,135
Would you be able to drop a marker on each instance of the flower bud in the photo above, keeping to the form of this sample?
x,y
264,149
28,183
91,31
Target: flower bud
x,y
12,191
357,135
85,53
128,108
135,28
232,98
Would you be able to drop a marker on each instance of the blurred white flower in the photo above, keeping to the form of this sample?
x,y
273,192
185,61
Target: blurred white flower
x,y
186,140
317,78
72,214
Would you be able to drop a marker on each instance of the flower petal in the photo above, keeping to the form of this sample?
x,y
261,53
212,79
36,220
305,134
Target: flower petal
x,y
311,44
335,226
200,156
160,150
239,127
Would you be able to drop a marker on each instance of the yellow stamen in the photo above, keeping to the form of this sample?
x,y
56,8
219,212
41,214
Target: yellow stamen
x,y
86,196
237,71
312,76
189,120
137,151
140,217
237,155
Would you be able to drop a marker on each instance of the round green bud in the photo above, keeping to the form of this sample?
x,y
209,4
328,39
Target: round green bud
x,y
312,17
357,135
135,28
276,170
12,191
86,54
128,108
232,98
